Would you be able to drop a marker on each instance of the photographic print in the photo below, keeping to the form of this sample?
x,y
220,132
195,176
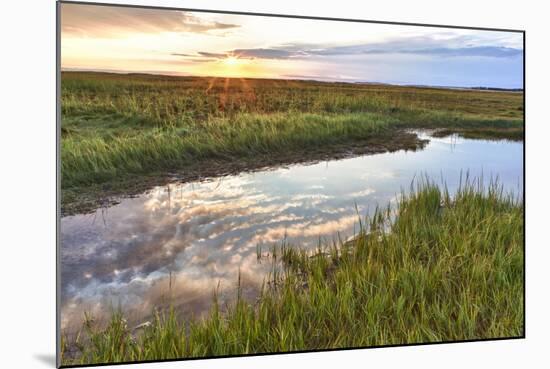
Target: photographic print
x,y
242,184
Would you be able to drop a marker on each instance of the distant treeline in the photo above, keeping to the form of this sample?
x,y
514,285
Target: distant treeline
x,y
498,89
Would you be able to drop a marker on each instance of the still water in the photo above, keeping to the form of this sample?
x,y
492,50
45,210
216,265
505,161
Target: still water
x,y
180,242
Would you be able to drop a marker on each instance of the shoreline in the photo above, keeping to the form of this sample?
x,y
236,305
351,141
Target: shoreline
x,y
88,199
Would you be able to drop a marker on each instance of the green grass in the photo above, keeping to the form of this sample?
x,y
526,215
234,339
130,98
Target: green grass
x,y
436,268
243,136
117,127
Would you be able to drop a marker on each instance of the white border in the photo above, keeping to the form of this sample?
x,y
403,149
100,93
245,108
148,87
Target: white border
x,y
27,152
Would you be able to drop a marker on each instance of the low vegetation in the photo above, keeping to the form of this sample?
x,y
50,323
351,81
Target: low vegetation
x,y
434,268
117,129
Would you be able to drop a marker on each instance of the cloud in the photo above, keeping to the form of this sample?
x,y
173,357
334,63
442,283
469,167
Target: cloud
x,y
436,45
181,54
267,53
109,22
190,58
213,55
486,51
260,53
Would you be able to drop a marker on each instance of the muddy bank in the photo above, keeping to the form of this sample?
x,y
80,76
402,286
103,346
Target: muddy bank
x,y
78,200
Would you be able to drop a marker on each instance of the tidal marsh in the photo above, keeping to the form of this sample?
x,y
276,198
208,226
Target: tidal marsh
x,y
435,265
119,130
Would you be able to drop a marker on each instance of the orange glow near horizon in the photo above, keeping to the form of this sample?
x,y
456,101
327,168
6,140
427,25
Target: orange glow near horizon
x,y
235,67
232,66
174,42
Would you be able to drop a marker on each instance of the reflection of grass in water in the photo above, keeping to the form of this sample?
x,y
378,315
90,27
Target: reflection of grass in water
x,y
449,269
116,126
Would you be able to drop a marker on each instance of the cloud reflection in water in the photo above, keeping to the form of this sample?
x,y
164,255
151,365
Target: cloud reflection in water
x,y
203,233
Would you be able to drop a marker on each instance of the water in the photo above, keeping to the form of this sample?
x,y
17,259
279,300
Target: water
x,y
180,242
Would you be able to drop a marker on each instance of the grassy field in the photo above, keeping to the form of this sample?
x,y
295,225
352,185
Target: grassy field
x,y
436,268
118,130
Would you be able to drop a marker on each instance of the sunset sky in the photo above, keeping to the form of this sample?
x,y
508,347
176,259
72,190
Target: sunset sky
x,y
122,39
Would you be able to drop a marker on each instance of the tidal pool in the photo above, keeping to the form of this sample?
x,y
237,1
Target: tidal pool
x,y
181,242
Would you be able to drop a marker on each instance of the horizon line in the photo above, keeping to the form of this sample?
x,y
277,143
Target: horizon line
x,y
289,78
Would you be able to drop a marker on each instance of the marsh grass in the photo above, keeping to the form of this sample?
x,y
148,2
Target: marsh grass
x,y
434,268
119,126
244,136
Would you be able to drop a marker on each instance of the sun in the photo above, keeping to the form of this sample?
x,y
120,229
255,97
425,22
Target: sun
x,y
232,66
231,61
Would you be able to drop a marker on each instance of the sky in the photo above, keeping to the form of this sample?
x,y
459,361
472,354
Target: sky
x,y
122,39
